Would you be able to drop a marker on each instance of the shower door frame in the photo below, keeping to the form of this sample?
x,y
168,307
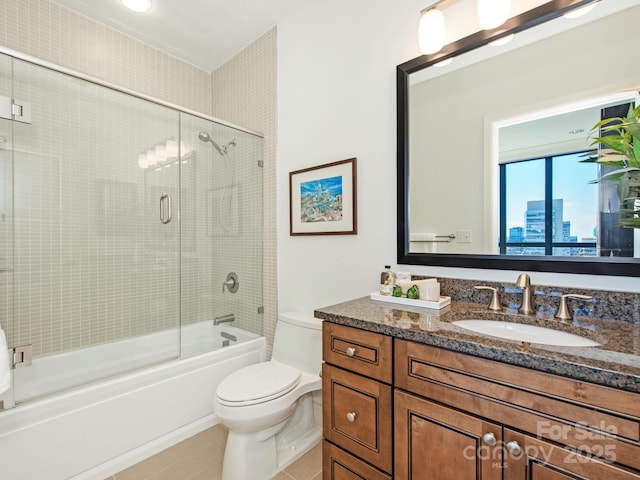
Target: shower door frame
x,y
15,55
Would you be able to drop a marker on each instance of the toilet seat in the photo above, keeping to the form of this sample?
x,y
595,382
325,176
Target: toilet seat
x,y
257,383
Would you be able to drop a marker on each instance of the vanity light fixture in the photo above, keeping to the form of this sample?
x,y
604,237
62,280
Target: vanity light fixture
x,y
502,40
165,153
493,13
579,12
431,31
444,62
432,28
151,157
137,5
142,161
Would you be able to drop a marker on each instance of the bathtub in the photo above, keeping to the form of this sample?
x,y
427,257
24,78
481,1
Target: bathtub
x,y
93,431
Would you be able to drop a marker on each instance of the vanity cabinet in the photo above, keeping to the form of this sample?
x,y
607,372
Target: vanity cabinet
x,y
434,438
398,409
547,427
357,404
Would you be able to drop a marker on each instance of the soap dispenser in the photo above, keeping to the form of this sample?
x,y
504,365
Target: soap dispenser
x,y
386,281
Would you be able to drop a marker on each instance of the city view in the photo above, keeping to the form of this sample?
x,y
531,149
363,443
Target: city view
x,y
573,196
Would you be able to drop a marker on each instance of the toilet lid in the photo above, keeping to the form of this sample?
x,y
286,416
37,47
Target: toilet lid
x,y
258,383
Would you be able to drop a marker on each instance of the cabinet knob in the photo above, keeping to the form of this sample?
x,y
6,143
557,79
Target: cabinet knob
x,y
351,417
490,439
514,448
351,351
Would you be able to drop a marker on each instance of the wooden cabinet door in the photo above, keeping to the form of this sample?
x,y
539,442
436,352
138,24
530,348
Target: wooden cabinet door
x,y
530,458
340,465
434,442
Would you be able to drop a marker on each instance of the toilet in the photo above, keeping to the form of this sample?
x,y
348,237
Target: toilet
x,y
268,407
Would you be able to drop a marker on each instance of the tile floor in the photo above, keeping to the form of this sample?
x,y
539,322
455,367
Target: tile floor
x,y
195,459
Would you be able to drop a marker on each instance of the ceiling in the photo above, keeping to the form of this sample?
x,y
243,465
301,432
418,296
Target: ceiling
x,y
206,33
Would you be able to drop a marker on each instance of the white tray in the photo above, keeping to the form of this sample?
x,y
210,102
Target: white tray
x,y
443,302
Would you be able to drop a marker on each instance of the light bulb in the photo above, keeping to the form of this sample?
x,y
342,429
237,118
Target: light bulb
x,y
493,13
502,41
185,149
578,12
137,5
171,148
161,153
431,31
151,157
443,63
142,160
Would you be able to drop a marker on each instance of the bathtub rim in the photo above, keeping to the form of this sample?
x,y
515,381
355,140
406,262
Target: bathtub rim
x,y
43,408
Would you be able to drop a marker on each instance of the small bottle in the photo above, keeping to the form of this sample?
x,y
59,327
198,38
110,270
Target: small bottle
x,y
386,281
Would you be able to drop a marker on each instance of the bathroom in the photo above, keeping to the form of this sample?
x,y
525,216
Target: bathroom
x,y
279,86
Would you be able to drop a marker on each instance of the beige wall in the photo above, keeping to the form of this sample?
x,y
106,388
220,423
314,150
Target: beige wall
x,y
50,32
245,93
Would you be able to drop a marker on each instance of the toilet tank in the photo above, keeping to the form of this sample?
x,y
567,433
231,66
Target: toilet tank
x,y
298,341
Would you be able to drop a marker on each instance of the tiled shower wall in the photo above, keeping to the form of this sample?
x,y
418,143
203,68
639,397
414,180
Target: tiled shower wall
x,y
53,33
245,93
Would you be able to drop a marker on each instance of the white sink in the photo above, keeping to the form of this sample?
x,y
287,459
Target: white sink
x,y
526,333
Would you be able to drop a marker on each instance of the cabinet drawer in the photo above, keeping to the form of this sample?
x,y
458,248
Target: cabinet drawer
x,y
357,415
367,353
339,465
576,402
482,387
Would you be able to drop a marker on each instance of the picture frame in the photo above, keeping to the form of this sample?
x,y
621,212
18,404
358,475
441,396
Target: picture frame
x,y
323,199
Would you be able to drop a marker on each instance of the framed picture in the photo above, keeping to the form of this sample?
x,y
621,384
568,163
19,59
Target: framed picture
x,y
322,199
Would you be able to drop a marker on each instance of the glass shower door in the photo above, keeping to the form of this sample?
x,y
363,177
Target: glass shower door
x,y
96,257
6,217
221,236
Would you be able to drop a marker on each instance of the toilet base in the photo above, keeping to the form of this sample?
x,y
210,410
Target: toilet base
x,y
260,455
288,455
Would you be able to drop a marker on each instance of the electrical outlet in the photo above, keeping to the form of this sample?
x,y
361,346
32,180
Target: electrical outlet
x,y
463,236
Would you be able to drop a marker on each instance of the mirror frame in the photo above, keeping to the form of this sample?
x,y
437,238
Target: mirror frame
x,y
581,265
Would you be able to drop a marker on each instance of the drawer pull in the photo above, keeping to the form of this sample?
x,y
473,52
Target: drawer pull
x,y
514,448
351,417
351,351
490,439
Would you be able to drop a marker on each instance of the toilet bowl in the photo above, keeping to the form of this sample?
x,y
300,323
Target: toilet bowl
x,y
268,407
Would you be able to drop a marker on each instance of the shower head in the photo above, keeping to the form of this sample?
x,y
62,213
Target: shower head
x,y
205,137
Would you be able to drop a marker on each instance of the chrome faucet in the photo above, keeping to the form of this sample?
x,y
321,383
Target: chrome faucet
x,y
524,282
229,317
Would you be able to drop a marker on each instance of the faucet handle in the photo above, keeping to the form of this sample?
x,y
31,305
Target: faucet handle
x,y
563,312
495,300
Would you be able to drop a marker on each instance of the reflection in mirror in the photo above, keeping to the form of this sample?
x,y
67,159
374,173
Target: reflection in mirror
x,y
550,201
489,150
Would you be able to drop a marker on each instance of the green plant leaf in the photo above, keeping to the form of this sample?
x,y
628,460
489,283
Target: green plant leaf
x,y
620,141
614,142
623,186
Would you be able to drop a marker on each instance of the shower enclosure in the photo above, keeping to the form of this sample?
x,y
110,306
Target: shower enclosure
x,y
119,220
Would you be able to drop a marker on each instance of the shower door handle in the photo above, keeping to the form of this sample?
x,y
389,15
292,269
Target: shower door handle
x,y
165,208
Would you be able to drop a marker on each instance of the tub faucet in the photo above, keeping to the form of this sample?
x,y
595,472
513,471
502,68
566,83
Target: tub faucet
x,y
524,282
229,317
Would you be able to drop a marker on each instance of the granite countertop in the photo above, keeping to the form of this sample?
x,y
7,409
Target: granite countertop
x,y
615,363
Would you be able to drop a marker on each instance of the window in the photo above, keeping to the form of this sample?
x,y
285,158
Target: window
x,y
549,206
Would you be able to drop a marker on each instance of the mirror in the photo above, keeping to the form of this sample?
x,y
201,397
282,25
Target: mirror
x,y
467,130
